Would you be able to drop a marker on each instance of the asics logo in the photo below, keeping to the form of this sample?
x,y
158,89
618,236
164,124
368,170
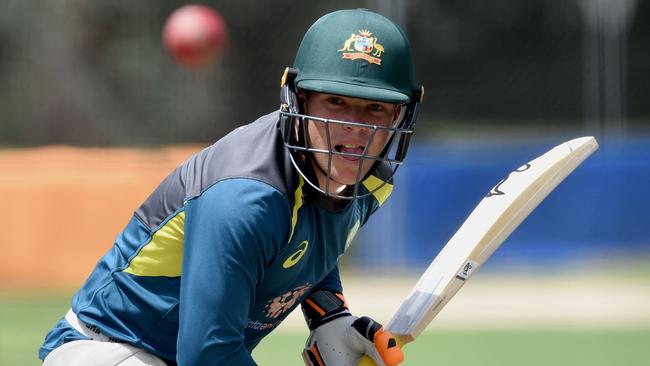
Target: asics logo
x,y
295,257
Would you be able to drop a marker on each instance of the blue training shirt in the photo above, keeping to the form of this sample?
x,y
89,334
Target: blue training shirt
x,y
220,253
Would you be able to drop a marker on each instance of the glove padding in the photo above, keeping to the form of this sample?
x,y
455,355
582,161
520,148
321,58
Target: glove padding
x,y
338,338
343,341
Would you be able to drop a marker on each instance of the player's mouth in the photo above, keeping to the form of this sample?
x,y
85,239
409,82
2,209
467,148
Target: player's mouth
x,y
349,149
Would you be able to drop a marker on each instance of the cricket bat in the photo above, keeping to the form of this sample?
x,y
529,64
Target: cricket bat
x,y
491,222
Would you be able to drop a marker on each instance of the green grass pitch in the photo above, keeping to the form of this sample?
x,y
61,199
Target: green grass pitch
x,y
503,348
24,320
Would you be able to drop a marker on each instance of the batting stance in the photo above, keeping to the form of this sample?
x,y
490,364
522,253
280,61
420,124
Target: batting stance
x,y
251,227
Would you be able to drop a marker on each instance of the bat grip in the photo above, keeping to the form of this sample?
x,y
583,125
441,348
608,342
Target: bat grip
x,y
367,361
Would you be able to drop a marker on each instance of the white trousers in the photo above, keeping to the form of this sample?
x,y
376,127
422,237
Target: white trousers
x,y
98,351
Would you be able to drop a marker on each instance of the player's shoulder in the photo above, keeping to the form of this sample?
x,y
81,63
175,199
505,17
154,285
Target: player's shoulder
x,y
244,196
251,153
254,151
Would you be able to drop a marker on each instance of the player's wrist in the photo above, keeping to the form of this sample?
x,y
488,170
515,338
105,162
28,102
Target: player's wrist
x,y
323,306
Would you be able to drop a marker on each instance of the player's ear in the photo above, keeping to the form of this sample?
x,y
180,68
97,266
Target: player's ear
x,y
397,113
302,94
302,99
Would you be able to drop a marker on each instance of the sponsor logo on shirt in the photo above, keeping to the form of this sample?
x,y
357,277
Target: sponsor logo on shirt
x,y
286,301
257,325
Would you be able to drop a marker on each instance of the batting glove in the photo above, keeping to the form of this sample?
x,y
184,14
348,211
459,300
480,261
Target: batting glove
x,y
338,338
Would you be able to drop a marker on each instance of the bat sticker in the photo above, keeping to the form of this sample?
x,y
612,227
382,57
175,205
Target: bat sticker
x,y
496,192
469,267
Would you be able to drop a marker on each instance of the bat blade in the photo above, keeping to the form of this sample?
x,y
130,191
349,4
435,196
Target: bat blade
x,y
491,222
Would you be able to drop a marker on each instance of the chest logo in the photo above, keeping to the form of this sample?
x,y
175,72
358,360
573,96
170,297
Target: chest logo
x,y
295,257
286,301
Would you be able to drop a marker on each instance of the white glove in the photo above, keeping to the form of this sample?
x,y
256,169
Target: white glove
x,y
338,338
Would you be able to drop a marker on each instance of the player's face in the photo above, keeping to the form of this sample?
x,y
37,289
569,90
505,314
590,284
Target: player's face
x,y
347,138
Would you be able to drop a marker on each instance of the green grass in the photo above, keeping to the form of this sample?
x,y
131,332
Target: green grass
x,y
502,348
24,320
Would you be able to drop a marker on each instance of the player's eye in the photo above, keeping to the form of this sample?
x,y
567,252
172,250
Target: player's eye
x,y
335,100
376,107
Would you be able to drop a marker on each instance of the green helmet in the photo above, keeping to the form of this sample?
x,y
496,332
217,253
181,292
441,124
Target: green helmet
x,y
358,54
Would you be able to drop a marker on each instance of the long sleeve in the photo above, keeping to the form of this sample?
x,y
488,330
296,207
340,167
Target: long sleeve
x,y
331,282
234,230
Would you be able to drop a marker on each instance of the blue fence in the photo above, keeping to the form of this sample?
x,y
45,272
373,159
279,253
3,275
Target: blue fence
x,y
602,210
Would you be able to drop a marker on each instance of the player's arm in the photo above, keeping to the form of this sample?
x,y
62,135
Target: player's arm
x,y
232,231
339,338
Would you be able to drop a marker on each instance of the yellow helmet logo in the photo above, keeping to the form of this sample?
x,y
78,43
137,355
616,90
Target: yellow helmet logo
x,y
362,45
295,257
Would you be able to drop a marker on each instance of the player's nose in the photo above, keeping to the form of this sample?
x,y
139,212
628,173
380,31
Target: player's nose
x,y
359,122
354,113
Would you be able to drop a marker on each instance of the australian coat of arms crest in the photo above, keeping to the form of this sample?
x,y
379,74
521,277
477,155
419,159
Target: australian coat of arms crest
x,y
362,45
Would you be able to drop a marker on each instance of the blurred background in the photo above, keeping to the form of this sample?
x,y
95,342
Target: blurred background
x,y
95,113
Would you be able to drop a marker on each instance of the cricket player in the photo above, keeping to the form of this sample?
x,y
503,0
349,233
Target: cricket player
x,y
253,226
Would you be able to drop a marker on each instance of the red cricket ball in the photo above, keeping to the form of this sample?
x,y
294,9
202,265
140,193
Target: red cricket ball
x,y
195,35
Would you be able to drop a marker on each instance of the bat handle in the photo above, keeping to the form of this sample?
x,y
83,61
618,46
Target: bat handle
x,y
367,361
